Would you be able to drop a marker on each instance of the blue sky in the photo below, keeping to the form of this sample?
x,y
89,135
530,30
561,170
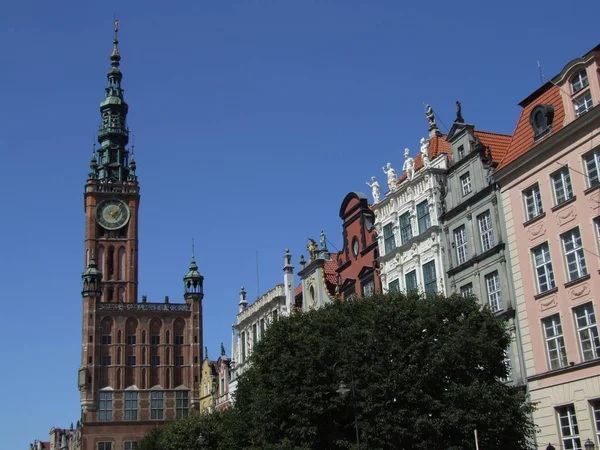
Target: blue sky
x,y
252,121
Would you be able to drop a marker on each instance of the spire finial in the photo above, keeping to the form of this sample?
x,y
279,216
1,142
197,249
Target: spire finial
x,y
193,250
115,57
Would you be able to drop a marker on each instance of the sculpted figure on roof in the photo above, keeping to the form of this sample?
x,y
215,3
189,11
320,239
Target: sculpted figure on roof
x,y
425,152
430,116
409,165
392,176
375,190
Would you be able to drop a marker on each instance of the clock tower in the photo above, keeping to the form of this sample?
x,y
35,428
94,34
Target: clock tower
x,y
140,360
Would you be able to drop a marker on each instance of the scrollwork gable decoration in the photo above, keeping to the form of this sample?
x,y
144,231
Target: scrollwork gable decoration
x,y
541,120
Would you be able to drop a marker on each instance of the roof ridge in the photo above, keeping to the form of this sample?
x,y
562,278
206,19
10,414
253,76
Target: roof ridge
x,y
493,132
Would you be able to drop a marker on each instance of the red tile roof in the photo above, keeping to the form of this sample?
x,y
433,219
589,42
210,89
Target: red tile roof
x,y
522,140
298,290
330,269
498,143
437,146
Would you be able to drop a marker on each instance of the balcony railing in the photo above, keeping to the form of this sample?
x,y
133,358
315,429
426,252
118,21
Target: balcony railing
x,y
181,307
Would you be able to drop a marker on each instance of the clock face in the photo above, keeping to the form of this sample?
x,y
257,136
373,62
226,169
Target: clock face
x,y
112,214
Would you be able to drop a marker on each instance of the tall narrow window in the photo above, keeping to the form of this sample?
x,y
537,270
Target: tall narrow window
x,y
492,282
486,231
423,216
460,242
105,406
262,328
465,184
405,228
583,103
592,167
156,405
460,152
394,286
368,287
561,181
254,334
555,343
110,266
429,278
243,339
587,331
543,268
182,400
569,431
574,256
388,238
533,202
411,281
131,405
121,260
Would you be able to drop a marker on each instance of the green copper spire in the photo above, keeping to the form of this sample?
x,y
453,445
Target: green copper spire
x,y
113,134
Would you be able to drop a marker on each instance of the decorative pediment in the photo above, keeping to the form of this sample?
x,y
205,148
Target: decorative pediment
x,y
347,284
365,271
457,130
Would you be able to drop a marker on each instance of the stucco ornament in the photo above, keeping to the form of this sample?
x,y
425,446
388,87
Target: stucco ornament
x,y
392,176
409,165
425,152
375,189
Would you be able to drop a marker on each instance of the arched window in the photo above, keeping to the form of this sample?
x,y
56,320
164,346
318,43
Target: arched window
x,y
121,262
131,331
143,336
110,266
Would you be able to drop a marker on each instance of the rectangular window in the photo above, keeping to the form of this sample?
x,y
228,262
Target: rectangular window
x,y
587,330
579,81
155,360
405,228
492,283
179,339
254,334
156,405
394,286
131,405
130,445
105,406
592,163
460,242
178,360
222,392
274,315
423,218
105,446
131,339
543,268
429,278
182,404
130,360
243,339
555,343
466,290
574,256
155,339
106,339
561,181
388,238
583,103
486,231
411,281
569,431
465,184
106,360
596,410
533,202
262,327
368,288
460,152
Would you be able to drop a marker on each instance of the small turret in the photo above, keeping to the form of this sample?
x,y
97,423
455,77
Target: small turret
x,y
243,302
92,279
193,282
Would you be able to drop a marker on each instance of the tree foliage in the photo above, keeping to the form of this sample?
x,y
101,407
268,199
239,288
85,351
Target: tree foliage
x,y
425,373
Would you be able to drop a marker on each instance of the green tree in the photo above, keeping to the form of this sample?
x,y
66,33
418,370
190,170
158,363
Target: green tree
x,y
426,374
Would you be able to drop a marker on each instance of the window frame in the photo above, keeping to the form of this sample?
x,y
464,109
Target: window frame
x,y
487,234
423,219
430,286
578,252
543,267
396,284
573,439
558,338
182,403
409,275
493,289
586,100
466,185
405,225
157,405
536,202
466,290
105,445
589,326
131,405
105,406
364,284
461,247
595,155
583,81
389,241
565,185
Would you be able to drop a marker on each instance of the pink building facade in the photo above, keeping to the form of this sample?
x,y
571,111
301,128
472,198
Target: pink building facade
x,y
550,190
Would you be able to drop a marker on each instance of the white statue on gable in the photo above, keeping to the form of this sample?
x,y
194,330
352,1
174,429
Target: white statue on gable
x,y
391,176
409,165
375,190
425,152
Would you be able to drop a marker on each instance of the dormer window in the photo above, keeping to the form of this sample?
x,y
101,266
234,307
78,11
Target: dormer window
x,y
541,119
583,103
579,81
